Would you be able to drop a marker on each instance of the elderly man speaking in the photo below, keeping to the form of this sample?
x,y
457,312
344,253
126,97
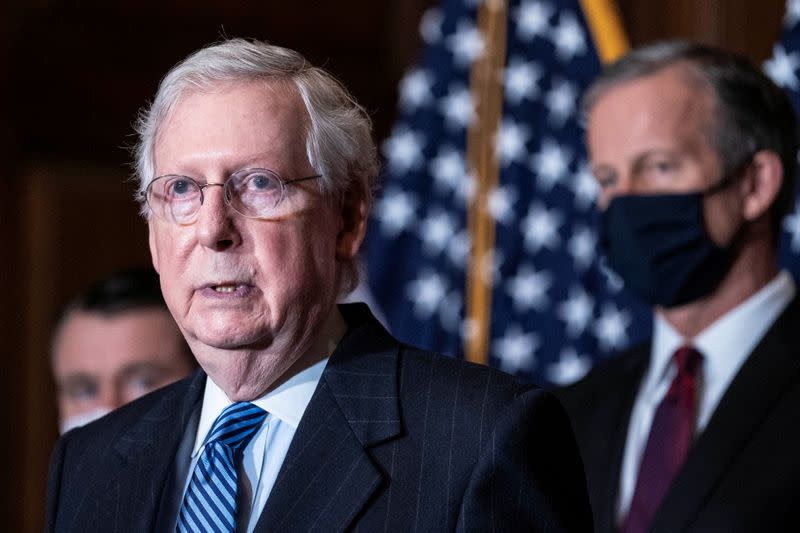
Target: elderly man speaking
x,y
256,171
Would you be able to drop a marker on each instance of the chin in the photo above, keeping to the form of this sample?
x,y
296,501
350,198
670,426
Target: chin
x,y
233,340
229,330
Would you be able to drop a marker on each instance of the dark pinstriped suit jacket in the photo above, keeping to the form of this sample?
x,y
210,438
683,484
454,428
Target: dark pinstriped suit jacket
x,y
394,439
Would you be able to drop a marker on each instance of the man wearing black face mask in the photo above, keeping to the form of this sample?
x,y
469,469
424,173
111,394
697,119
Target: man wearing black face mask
x,y
695,154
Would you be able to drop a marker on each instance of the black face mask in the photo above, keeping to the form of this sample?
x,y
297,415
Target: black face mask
x,y
660,247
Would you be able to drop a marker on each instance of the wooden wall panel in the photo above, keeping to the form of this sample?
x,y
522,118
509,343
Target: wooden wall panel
x,y
745,26
80,223
12,301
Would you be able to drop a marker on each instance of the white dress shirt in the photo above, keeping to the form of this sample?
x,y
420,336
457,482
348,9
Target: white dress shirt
x,y
725,346
263,456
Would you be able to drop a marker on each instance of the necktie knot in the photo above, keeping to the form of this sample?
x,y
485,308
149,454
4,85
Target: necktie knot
x,y
688,360
236,425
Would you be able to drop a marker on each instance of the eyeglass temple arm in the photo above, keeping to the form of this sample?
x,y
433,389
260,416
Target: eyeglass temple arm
x,y
303,179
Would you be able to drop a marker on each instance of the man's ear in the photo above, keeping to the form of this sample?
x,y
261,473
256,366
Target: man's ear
x,y
354,212
766,179
151,240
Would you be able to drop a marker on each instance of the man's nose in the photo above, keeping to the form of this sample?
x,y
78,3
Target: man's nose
x,y
623,185
216,227
110,397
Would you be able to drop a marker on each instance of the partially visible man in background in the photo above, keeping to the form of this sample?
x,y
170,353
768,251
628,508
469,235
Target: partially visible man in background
x,y
695,153
113,343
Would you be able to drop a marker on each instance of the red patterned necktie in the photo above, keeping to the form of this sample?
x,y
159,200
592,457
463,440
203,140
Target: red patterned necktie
x,y
670,437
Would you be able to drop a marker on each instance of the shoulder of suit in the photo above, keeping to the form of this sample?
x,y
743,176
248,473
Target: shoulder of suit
x,y
618,370
447,370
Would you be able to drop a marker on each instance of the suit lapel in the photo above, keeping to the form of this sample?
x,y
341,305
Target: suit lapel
x,y
145,454
614,415
749,398
328,475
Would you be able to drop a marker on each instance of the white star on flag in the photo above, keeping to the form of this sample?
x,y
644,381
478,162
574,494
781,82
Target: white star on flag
x,y
465,190
511,141
561,100
395,211
610,327
533,19
426,293
791,224
550,164
500,204
569,368
613,281
466,44
436,230
448,168
458,249
582,246
782,67
457,107
528,289
576,311
430,27
585,187
540,228
792,13
522,80
450,312
416,89
568,37
516,349
404,150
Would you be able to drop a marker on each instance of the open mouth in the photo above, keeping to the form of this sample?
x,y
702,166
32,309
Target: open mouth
x,y
226,288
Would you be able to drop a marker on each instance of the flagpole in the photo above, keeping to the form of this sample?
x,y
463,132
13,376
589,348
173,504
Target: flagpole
x,y
486,87
602,17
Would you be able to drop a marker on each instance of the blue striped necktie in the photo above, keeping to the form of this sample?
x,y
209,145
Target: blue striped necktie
x,y
210,501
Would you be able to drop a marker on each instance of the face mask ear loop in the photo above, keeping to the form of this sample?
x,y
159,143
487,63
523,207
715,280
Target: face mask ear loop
x,y
734,244
731,177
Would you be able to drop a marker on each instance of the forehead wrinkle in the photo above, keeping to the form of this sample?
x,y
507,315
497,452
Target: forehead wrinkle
x,y
289,103
695,103
676,118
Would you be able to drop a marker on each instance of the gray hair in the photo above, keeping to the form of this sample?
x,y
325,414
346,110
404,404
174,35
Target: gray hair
x,y
752,113
339,143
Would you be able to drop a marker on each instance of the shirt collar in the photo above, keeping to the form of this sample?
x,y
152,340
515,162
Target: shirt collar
x,y
287,402
727,342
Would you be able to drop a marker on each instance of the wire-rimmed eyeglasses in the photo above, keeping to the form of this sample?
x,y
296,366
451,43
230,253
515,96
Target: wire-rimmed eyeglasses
x,y
251,192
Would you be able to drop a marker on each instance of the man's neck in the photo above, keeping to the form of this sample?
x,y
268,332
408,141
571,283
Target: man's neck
x,y
248,374
751,271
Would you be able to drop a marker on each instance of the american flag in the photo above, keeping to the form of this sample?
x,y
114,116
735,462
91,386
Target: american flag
x,y
784,67
555,308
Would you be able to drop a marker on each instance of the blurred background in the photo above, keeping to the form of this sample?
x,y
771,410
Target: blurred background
x,y
75,74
